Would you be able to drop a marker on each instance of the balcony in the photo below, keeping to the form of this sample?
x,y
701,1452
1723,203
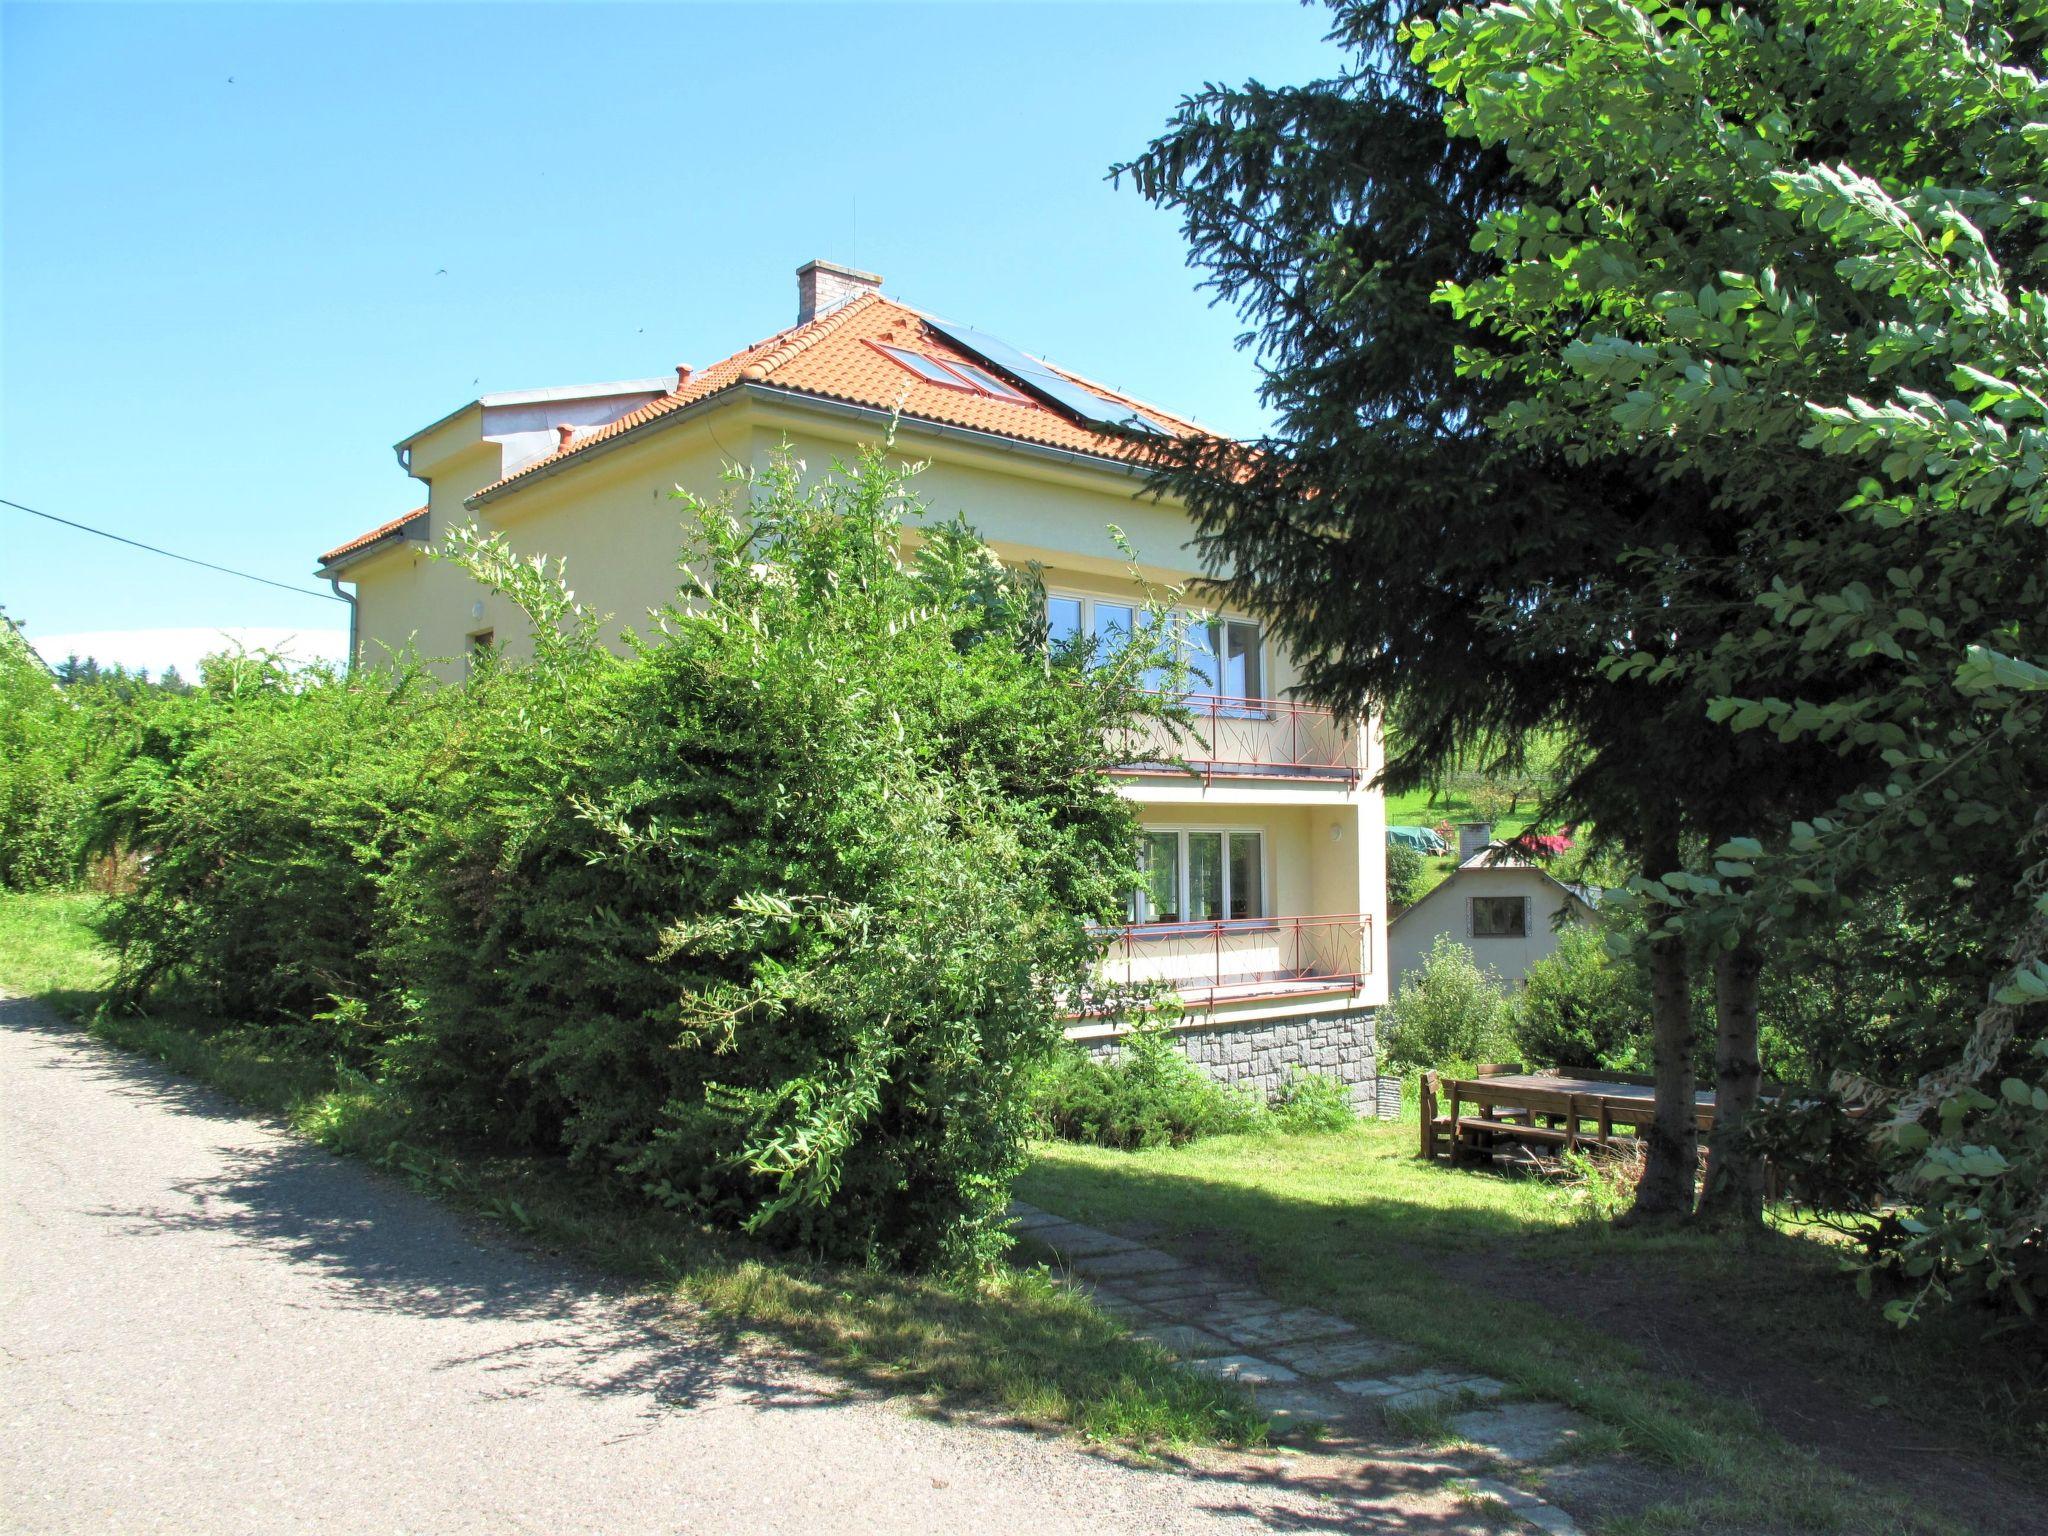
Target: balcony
x,y
1238,959
1248,738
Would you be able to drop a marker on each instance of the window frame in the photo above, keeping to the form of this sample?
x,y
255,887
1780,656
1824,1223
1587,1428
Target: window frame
x,y
956,375
1472,929
1087,601
1150,927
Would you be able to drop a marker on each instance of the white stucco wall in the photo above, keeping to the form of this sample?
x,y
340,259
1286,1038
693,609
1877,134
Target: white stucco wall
x,y
1447,910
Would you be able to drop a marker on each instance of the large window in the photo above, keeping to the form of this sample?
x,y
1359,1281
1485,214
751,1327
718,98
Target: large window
x,y
1500,917
1199,875
1223,659
1225,656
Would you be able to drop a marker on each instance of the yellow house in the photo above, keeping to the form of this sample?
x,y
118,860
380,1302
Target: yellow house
x,y
1264,899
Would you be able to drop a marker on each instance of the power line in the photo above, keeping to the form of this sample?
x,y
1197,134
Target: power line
x,y
170,554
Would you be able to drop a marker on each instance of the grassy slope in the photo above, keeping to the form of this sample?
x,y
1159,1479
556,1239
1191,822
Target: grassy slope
x,y
1017,1345
1356,1223
1429,808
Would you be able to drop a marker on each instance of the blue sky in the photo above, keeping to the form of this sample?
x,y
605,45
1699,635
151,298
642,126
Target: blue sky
x,y
244,249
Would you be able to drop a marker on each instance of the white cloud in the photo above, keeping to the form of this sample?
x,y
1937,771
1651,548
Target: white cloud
x,y
157,649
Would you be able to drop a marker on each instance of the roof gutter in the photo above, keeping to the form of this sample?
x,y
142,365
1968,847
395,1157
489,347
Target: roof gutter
x,y
397,535
769,394
1043,452
824,406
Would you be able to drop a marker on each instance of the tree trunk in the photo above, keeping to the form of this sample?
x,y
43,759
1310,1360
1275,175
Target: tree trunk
x,y
1734,1194
1671,1141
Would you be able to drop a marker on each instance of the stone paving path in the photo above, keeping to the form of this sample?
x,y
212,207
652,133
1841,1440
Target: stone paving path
x,y
1304,1366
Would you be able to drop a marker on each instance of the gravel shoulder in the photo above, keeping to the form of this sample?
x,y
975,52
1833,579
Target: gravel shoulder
x,y
209,1324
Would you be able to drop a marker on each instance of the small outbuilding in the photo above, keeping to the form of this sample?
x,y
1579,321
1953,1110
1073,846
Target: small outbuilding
x,y
1498,903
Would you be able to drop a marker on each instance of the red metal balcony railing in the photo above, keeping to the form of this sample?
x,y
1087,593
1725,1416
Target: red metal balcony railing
x,y
1248,738
1238,958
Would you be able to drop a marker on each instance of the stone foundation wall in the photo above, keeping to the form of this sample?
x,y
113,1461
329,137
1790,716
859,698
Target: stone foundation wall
x,y
1261,1056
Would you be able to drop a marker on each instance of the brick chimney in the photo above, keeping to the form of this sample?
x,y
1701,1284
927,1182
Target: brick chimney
x,y
1473,837
822,286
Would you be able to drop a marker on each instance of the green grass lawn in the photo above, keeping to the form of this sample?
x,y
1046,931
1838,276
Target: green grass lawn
x,y
1517,1279
1018,1345
1510,1277
1430,808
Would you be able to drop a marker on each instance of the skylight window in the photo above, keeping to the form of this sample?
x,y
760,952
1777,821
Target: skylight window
x,y
949,374
988,383
929,369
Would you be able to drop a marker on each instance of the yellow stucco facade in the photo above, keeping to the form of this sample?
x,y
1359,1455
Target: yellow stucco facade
x,y
613,516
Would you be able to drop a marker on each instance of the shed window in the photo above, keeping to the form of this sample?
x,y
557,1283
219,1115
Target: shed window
x,y
1500,917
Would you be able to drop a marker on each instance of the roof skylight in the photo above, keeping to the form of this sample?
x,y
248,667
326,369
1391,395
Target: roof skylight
x,y
949,374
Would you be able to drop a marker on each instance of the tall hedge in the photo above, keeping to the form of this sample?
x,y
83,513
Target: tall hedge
x,y
771,919
262,811
41,770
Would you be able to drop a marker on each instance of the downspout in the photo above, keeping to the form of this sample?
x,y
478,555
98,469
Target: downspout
x,y
353,620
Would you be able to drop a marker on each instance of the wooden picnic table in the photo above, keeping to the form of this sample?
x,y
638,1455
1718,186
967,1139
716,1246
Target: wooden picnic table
x,y
1564,1110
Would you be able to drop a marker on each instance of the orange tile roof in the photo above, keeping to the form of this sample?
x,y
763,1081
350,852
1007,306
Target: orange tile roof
x,y
364,540
836,357
831,357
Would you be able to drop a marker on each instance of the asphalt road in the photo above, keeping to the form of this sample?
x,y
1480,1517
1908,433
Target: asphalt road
x,y
212,1326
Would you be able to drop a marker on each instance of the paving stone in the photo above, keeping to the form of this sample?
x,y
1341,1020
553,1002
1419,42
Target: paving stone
x,y
1185,1340
1297,1326
1289,1407
1222,1308
1169,1285
1029,1218
1380,1387
1447,1395
1336,1357
1134,1313
1070,1240
1115,1266
1246,1368
1546,1517
1520,1431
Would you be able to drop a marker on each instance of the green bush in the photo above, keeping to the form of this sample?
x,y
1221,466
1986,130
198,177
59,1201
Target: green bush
x,y
1582,1007
1147,1095
1313,1102
1448,1016
265,808
1405,870
773,920
42,794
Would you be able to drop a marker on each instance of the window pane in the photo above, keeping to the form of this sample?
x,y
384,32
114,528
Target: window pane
x,y
1499,917
1162,636
925,367
1112,629
1241,660
987,381
1204,668
1247,898
1205,876
1159,901
1062,622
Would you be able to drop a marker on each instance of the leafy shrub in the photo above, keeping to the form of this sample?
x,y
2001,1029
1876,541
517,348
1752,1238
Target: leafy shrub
x,y
1448,1016
1582,1007
264,808
1147,1095
773,920
1405,869
42,795
1943,1209
1973,1221
1313,1101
